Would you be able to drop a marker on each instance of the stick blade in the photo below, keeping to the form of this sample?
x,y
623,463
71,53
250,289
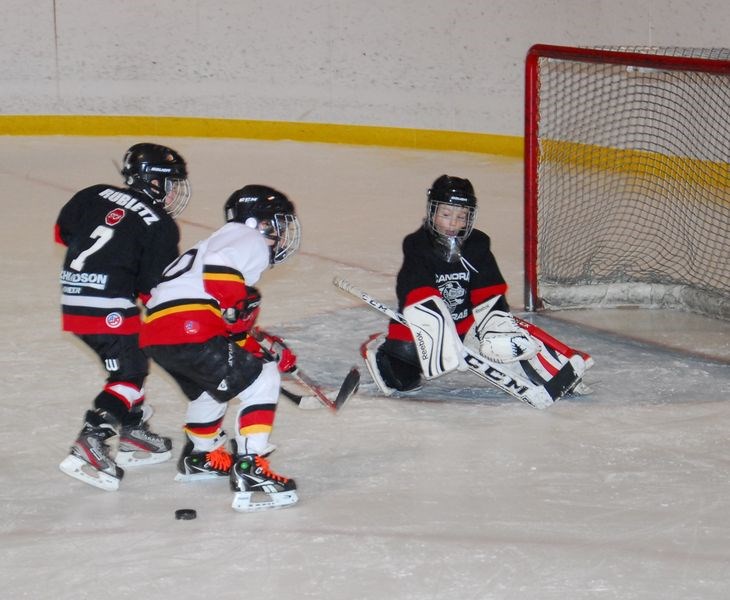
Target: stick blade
x,y
348,388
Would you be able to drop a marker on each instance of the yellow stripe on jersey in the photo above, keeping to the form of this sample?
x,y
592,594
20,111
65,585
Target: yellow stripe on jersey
x,y
181,308
221,272
232,277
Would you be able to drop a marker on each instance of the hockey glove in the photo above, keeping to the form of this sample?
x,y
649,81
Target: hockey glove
x,y
274,349
242,317
502,340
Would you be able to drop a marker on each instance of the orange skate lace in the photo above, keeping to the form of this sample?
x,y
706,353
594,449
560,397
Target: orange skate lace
x,y
219,459
263,464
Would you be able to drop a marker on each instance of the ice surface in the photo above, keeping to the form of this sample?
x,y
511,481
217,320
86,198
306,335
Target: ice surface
x,y
623,494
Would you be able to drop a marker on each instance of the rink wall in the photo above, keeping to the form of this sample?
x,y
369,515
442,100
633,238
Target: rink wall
x,y
444,74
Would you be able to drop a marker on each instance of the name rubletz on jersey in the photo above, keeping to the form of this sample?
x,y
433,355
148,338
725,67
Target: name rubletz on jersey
x,y
130,203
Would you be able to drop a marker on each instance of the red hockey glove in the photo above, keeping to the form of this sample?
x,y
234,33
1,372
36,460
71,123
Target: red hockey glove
x,y
242,317
275,350
287,361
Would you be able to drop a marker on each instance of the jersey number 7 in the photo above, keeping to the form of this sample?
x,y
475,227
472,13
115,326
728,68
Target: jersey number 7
x,y
102,235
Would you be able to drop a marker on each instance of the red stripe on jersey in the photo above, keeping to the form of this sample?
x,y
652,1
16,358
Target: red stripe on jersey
x,y
463,326
113,324
479,295
421,293
398,331
183,325
224,284
57,235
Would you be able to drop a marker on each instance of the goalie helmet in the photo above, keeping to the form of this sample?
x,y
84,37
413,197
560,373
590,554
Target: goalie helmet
x,y
270,212
451,208
160,173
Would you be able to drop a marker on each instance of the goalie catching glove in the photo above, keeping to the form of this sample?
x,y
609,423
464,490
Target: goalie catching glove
x,y
501,339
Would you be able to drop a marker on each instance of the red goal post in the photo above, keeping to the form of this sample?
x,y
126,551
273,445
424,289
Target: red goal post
x,y
627,178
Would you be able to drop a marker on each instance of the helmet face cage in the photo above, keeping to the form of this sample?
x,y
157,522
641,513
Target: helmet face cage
x,y
160,173
177,195
287,235
449,246
456,193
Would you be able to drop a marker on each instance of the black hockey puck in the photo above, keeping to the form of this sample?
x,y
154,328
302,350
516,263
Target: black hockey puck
x,y
185,514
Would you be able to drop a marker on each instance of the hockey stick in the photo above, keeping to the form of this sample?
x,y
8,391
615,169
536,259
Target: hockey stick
x,y
539,396
347,389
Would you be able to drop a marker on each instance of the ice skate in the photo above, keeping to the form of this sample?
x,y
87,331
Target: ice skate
x,y
89,460
199,466
256,487
140,446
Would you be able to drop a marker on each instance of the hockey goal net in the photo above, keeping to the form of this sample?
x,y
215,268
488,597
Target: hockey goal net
x,y
627,178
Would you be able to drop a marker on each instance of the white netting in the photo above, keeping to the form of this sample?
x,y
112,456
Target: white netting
x,y
633,183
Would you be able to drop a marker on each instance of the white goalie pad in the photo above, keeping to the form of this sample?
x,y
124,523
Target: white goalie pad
x,y
437,343
501,339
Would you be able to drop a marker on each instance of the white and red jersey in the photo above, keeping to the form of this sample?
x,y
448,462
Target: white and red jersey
x,y
186,306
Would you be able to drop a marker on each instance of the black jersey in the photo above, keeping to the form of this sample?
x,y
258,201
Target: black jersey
x,y
462,284
118,244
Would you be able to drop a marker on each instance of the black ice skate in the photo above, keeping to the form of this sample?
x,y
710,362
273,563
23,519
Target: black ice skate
x,y
197,466
140,446
89,460
256,487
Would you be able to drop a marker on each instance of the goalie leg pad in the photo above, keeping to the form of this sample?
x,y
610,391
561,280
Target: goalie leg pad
x,y
553,343
389,371
438,346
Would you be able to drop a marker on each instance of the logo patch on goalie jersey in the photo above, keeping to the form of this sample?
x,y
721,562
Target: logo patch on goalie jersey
x,y
453,293
114,320
114,216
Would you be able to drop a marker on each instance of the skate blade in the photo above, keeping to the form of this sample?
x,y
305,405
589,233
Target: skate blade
x,y
186,477
244,501
138,458
83,471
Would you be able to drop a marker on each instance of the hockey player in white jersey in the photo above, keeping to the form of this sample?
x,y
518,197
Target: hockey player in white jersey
x,y
197,329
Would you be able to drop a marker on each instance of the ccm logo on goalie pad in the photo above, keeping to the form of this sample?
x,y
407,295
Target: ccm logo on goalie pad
x,y
496,375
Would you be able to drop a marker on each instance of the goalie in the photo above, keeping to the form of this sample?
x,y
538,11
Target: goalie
x,y
451,292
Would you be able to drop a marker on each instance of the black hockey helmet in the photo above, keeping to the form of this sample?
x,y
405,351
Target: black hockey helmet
x,y
446,193
270,212
160,173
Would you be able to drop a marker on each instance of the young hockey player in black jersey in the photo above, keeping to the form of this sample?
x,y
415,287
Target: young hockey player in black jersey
x,y
197,328
119,240
447,259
